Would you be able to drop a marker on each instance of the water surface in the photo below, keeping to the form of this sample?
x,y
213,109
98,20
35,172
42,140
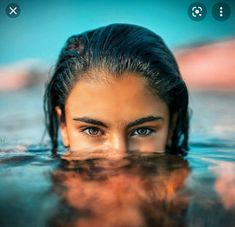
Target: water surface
x,y
39,189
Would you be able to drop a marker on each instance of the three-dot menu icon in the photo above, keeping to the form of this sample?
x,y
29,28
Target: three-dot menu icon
x,y
221,11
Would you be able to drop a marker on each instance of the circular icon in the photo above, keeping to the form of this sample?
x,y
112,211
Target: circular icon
x,y
221,11
197,11
13,10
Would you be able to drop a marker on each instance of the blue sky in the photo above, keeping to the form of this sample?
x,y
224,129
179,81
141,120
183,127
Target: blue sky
x,y
43,26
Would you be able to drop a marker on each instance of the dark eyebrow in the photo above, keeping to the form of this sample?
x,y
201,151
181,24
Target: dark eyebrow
x,y
131,124
143,120
91,121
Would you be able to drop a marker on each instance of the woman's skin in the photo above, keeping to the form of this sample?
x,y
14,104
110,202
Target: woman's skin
x,y
118,114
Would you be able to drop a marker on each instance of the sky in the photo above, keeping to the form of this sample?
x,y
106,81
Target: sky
x,y
43,26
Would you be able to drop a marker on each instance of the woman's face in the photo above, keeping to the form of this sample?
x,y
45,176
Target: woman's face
x,y
118,114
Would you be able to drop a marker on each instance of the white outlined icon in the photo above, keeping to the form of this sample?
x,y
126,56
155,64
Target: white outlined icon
x,y
197,11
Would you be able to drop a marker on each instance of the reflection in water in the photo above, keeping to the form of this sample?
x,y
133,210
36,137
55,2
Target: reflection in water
x,y
137,190
225,184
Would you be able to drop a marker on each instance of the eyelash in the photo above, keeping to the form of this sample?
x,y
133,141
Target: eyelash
x,y
89,128
150,131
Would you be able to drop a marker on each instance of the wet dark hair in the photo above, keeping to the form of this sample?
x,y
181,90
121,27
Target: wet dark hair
x,y
119,48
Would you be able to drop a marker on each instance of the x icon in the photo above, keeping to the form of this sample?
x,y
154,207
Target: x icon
x,y
13,10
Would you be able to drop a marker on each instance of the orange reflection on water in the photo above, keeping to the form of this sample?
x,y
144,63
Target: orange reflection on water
x,y
134,191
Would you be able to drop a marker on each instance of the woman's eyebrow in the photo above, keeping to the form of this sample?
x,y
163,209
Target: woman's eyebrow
x,y
143,120
131,124
91,121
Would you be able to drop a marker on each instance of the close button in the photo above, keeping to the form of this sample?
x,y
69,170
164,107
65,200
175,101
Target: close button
x,y
13,10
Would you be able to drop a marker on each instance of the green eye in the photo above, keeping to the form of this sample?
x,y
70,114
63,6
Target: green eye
x,y
142,132
92,131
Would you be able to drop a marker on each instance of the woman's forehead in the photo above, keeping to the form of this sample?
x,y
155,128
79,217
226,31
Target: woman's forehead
x,y
127,96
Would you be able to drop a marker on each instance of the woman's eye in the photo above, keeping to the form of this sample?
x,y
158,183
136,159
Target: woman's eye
x,y
142,132
92,131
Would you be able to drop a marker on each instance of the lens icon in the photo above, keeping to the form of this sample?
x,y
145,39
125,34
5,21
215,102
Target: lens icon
x,y
197,11
221,11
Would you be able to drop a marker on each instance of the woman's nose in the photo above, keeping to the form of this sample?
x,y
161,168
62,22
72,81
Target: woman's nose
x,y
118,143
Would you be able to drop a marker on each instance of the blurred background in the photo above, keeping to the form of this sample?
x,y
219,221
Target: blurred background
x,y
30,44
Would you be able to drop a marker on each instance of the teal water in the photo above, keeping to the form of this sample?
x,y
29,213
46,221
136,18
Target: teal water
x,y
38,189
